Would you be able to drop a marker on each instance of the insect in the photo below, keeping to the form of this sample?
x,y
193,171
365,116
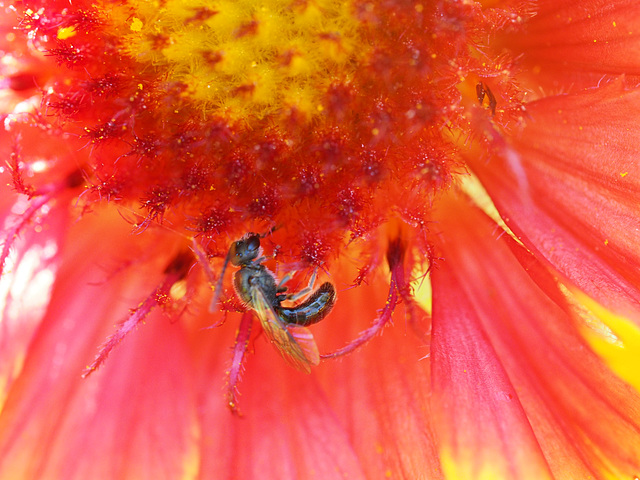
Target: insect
x,y
285,326
483,90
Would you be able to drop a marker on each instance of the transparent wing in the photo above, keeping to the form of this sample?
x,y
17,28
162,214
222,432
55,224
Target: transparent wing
x,y
295,344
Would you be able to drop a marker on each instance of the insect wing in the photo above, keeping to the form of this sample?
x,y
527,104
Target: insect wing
x,y
295,344
305,341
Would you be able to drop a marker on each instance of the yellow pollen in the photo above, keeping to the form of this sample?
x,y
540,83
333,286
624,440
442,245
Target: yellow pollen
x,y
65,32
136,25
178,290
245,59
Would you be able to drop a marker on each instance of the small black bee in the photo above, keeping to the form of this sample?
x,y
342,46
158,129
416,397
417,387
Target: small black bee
x,y
285,326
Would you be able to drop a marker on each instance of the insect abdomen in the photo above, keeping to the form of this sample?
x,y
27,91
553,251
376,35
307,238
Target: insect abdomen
x,y
312,310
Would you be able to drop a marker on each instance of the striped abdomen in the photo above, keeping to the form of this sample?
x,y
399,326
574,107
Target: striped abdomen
x,y
312,310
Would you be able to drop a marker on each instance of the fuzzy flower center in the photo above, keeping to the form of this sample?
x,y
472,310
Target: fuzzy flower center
x,y
332,116
245,59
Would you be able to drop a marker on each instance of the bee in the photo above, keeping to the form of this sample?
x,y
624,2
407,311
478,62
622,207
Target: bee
x,y
258,288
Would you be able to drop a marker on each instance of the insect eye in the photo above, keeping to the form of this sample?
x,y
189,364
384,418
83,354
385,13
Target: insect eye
x,y
253,243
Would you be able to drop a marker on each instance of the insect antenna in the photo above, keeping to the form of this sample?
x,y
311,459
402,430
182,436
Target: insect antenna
x,y
204,263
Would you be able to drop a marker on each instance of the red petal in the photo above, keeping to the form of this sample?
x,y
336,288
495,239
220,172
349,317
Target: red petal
x,y
570,189
381,392
481,423
25,285
522,354
287,429
121,423
365,415
569,43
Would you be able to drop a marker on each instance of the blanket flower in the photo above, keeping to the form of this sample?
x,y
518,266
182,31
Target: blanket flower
x,y
463,173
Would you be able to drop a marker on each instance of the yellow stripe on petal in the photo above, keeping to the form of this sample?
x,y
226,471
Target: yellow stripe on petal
x,y
471,185
192,458
467,466
621,348
422,291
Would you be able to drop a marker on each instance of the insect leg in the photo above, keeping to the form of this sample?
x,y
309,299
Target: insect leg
x,y
305,291
235,371
285,279
383,319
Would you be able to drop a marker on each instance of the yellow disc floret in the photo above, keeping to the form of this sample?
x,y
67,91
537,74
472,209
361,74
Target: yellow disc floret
x,y
245,59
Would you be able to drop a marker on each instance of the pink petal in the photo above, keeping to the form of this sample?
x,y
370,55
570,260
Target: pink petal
x,y
482,426
528,371
286,430
570,44
380,392
121,423
365,415
570,189
25,286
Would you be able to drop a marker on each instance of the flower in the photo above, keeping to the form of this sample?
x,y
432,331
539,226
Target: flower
x,y
466,170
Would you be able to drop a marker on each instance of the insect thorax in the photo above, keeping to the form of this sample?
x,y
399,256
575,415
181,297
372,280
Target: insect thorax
x,y
254,276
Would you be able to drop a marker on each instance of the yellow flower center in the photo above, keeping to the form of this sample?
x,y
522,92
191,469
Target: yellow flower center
x,y
244,59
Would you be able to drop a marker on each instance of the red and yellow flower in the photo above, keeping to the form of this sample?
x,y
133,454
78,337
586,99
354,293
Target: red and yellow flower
x,y
466,170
